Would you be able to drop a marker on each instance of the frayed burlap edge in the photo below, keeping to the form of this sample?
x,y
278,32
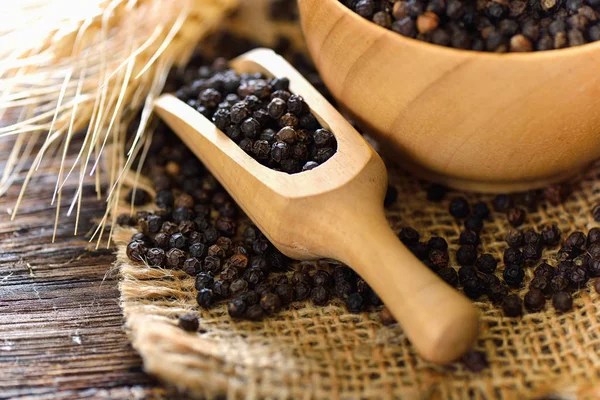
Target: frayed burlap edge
x,y
325,352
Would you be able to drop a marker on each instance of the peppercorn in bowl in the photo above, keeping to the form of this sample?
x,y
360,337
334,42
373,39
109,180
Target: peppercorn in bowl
x,y
477,120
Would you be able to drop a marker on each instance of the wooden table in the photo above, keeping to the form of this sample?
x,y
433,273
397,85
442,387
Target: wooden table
x,y
61,328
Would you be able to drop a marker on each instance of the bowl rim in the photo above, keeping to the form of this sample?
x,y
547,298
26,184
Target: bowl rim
x,y
412,42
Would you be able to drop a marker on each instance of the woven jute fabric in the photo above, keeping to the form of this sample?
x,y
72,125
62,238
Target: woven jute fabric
x,y
309,352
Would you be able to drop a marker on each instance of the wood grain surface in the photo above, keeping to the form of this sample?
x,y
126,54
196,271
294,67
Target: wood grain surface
x,y
61,328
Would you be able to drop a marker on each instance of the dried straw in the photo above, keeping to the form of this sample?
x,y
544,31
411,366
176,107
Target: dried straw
x,y
89,66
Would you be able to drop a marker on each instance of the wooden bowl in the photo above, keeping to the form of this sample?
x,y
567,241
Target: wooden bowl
x,y
472,120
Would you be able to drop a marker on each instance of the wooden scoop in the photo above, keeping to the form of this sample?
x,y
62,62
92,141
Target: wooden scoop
x,y
333,211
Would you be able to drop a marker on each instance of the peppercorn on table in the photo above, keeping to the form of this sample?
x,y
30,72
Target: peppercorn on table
x,y
61,334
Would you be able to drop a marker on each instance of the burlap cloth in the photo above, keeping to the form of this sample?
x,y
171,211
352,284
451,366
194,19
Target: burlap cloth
x,y
311,352
327,353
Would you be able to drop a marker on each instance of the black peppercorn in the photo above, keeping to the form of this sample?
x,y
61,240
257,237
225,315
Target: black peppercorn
x,y
557,193
540,283
513,275
473,288
182,214
409,236
481,210
437,243
154,223
136,250
205,298
544,270
514,238
576,240
301,291
237,307
197,250
497,292
474,223
512,306
188,322
355,303
212,264
486,263
558,284
459,207
270,303
177,241
534,300
254,313
161,240
438,259
502,203
175,258
238,286
531,253
513,257
468,238
577,276
254,276
562,301
475,361
405,26
449,276
322,278
516,216
204,280
489,280
465,273
156,257
285,291
211,235
466,255
276,108
319,296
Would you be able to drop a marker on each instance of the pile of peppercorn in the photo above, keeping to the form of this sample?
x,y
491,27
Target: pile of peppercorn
x,y
260,114
197,228
574,263
488,25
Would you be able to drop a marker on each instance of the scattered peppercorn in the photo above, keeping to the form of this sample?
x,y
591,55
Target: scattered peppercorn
x,y
514,238
449,276
459,207
513,275
534,300
136,250
516,216
408,236
475,361
469,237
188,322
512,306
486,263
501,203
562,301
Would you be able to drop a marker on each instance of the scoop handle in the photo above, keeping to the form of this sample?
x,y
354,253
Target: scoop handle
x,y
441,323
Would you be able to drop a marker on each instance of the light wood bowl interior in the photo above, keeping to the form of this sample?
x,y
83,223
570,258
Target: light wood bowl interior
x,y
477,121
